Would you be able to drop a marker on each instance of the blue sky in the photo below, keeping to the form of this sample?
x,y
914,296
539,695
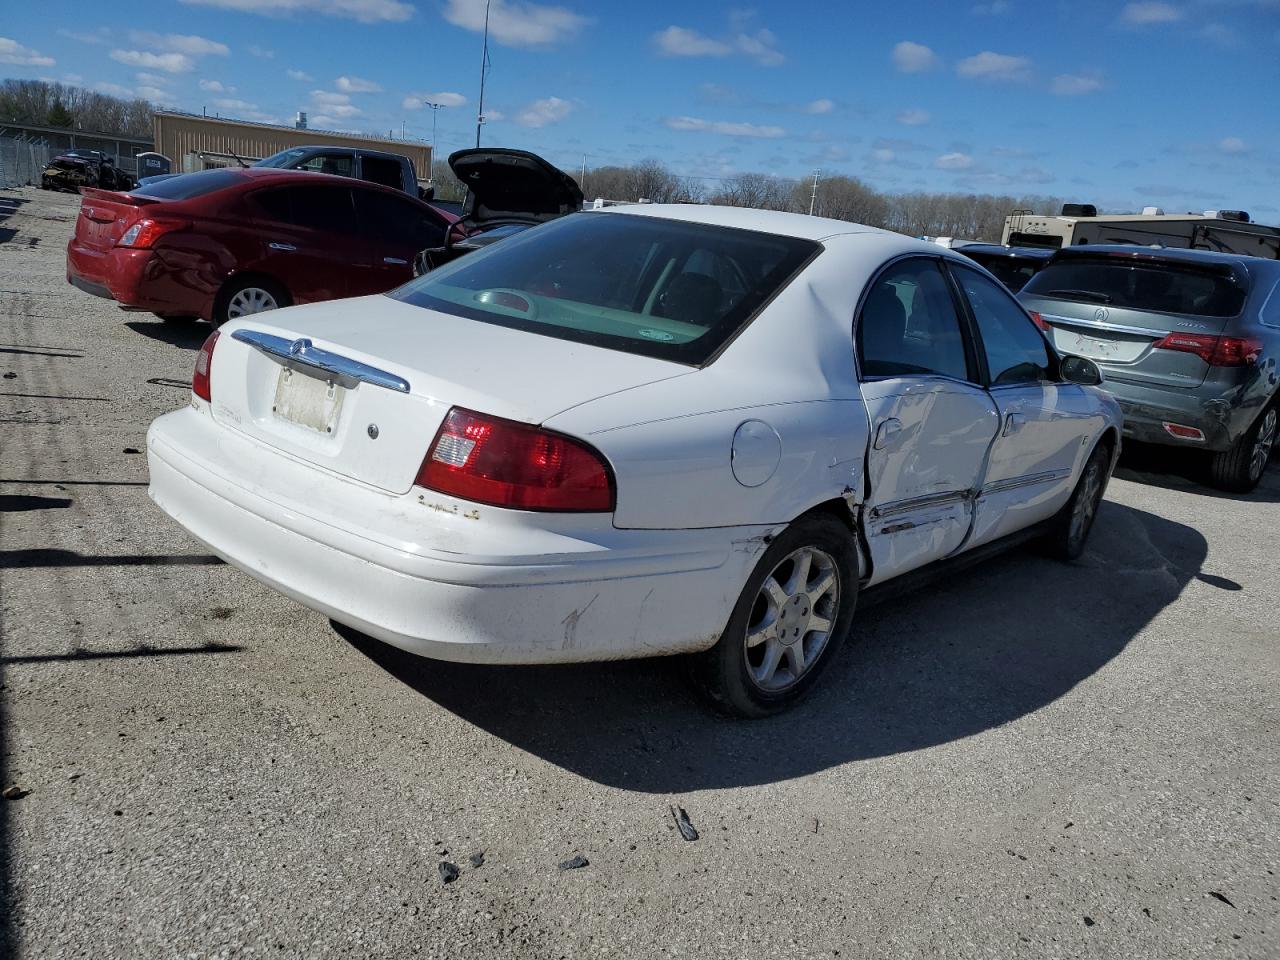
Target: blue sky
x,y
1167,102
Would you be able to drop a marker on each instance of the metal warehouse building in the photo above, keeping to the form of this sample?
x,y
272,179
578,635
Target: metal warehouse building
x,y
195,142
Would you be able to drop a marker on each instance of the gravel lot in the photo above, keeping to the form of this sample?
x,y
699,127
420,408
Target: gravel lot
x,y
1030,759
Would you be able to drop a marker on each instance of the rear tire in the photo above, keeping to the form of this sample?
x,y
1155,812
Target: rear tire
x,y
1241,468
789,622
1071,527
244,296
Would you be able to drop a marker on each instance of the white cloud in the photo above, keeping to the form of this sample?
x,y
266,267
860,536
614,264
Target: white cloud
x,y
910,57
158,94
366,11
74,79
215,86
169,62
995,67
493,116
1152,11
446,98
992,9
356,85
15,53
155,79
1233,145
261,52
542,113
100,36
682,42
1075,84
329,98
819,106
954,161
113,89
743,38
180,43
228,103
299,75
882,155
517,24
346,112
697,124
914,118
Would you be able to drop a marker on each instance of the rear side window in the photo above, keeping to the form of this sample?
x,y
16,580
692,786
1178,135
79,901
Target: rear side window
x,y
187,186
381,170
909,326
397,222
315,208
1167,287
1013,272
1016,352
334,164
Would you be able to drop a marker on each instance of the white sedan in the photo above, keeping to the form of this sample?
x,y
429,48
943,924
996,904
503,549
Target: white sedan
x,y
645,430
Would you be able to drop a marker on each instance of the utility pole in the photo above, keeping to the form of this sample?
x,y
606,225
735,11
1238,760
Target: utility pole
x,y
484,66
582,183
813,197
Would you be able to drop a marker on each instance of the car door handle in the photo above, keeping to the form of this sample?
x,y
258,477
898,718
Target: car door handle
x,y
395,260
887,430
1013,422
282,246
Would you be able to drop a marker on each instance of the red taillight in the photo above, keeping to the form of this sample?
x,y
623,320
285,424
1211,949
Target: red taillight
x,y
143,233
200,385
1215,351
1040,321
509,464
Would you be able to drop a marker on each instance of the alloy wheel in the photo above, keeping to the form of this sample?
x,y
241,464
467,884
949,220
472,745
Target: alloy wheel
x,y
1263,444
1086,505
250,300
792,619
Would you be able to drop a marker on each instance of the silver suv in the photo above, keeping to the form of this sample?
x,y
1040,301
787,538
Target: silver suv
x,y
1188,342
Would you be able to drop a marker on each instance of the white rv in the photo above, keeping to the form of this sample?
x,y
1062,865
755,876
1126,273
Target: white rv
x,y
1227,231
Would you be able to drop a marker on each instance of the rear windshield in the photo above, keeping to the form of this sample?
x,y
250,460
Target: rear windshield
x,y
1163,288
186,186
1013,272
661,288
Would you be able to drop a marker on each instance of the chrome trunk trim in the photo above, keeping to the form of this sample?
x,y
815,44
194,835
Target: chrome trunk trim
x,y
303,356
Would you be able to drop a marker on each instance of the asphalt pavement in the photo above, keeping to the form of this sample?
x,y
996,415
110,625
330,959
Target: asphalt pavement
x,y
1029,759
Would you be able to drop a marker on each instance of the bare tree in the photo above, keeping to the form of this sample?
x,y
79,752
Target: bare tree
x,y
34,101
758,190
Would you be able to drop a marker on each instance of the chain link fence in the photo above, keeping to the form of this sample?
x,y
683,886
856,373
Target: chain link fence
x,y
21,162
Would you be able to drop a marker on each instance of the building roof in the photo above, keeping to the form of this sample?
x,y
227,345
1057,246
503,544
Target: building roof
x,y
279,126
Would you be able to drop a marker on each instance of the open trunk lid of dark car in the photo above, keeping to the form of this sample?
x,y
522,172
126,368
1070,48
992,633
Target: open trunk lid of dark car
x,y
1116,306
505,185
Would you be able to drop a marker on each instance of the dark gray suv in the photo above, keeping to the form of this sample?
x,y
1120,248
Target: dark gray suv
x,y
1188,341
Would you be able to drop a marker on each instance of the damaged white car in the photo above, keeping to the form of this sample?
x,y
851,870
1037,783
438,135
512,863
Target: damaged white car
x,y
639,431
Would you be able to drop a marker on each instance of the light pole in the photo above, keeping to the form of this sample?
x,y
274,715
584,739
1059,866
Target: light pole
x,y
484,66
582,183
813,197
435,108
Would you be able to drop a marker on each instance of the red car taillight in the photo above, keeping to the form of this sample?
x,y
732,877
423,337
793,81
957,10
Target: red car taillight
x,y
143,234
1040,321
1215,351
509,464
200,385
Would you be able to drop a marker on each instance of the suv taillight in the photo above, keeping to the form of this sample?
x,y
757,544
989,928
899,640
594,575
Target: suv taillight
x,y
505,463
145,232
200,384
1215,351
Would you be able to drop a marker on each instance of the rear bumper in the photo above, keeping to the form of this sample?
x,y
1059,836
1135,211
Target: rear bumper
x,y
138,279
1146,409
487,591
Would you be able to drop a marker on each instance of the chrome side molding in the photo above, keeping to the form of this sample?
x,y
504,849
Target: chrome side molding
x,y
303,356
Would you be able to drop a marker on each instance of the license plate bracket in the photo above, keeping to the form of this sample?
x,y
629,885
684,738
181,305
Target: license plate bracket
x,y
314,403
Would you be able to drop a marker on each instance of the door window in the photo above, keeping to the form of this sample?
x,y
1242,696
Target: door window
x,y
397,222
382,170
336,164
315,208
909,325
1016,352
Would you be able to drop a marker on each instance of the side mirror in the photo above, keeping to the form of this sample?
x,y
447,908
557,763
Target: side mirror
x,y
1080,370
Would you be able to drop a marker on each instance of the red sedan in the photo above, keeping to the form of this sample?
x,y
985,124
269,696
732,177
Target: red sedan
x,y
221,244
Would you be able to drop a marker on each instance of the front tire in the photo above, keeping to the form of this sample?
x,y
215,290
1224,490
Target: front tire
x,y
1241,468
789,622
1072,525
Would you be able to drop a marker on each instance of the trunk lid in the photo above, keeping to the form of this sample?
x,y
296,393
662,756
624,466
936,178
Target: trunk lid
x,y
1114,308
105,215
504,185
379,434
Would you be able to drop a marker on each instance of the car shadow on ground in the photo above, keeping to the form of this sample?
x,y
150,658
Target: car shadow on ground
x,y
1176,468
189,334
983,648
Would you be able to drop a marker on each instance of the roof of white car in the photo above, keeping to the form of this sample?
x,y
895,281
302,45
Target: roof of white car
x,y
766,221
